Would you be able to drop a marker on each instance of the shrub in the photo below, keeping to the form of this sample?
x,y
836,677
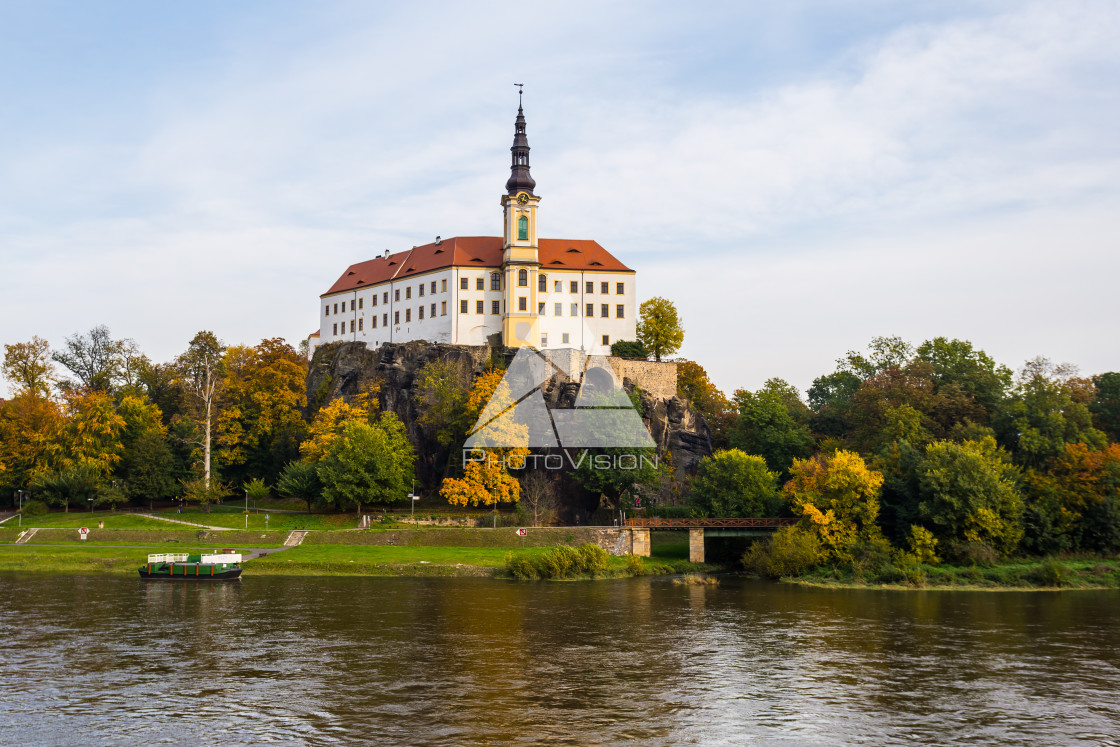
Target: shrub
x,y
923,545
971,553
34,508
1050,572
635,566
593,559
521,568
789,552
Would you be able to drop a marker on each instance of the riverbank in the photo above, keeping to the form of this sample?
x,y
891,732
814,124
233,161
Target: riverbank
x,y
1022,574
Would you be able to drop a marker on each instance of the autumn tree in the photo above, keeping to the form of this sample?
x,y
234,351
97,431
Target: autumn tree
x,y
837,498
733,483
1075,506
705,397
199,370
31,438
27,365
659,327
441,400
92,433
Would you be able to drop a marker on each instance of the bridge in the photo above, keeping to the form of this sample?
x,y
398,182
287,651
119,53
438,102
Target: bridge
x,y
699,528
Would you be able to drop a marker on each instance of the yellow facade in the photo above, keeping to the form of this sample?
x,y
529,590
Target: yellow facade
x,y
520,263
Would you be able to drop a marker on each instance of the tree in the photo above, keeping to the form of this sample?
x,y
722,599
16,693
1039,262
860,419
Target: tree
x,y
537,496
441,400
484,483
694,385
93,430
199,371
1106,404
1076,505
837,498
31,438
149,467
629,349
772,424
367,463
733,483
659,327
204,493
327,426
80,484
27,365
95,359
300,480
969,492
956,362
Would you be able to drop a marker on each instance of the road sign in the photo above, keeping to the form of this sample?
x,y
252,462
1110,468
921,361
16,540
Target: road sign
x,y
83,532
521,532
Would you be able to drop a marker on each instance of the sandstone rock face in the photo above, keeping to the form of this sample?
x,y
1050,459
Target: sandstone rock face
x,y
346,369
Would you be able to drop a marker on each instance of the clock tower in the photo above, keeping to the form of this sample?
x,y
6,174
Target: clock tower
x,y
520,260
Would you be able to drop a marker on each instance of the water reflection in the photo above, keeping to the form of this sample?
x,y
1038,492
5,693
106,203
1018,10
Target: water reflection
x,y
94,659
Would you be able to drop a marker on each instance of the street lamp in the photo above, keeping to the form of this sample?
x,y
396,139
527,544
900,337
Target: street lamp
x,y
414,498
20,508
246,510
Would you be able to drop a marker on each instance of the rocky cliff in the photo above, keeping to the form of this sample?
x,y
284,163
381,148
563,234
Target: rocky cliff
x,y
346,369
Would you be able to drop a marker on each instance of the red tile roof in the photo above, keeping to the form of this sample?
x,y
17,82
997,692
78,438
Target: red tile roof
x,y
474,251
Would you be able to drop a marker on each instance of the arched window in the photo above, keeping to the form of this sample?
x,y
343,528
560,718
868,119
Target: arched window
x,y
495,281
542,283
523,278
522,228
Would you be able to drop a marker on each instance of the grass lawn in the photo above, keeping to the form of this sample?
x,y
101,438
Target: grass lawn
x,y
77,559
668,545
225,516
388,554
75,519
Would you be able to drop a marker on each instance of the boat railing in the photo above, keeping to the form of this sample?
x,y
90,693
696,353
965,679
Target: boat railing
x,y
220,558
168,557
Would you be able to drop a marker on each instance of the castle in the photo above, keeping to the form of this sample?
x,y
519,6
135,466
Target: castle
x,y
514,290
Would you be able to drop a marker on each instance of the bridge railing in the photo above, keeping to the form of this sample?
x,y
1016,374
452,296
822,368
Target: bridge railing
x,y
757,523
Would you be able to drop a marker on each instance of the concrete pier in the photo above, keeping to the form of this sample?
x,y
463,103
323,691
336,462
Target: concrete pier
x,y
696,545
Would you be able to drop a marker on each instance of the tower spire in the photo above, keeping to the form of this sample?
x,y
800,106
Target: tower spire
x,y
519,179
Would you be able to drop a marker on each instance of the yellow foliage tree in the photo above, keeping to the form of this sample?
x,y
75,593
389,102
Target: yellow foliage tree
x,y
837,497
93,434
484,483
327,425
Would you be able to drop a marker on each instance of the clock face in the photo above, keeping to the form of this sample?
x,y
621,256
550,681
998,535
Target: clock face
x,y
522,199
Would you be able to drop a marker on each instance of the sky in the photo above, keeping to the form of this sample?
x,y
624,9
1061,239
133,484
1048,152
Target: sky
x,y
796,177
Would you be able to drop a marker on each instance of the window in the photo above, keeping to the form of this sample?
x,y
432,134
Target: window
x,y
397,295
480,284
522,228
396,317
478,307
434,287
433,310
443,285
408,315
544,339
351,325
605,310
463,306
334,328
522,303
523,278
360,324
336,308
565,338
408,292
420,312
590,310
351,304
575,309
420,290
558,309
606,339
495,281
373,321
542,283
604,287
385,297
573,286
464,284
589,287
384,320
495,307
443,308
361,301
559,286
327,310
620,288
618,311
373,300
540,308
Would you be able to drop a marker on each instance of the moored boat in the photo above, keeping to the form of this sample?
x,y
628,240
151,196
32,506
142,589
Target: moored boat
x,y
223,566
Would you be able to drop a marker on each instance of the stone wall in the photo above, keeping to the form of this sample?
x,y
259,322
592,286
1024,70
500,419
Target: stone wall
x,y
657,378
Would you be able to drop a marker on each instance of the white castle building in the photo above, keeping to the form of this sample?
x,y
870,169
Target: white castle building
x,y
545,293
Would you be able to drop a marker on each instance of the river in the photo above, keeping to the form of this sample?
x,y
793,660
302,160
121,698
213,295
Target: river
x,y
112,660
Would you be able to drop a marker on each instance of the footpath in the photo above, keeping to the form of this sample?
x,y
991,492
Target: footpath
x,y
187,523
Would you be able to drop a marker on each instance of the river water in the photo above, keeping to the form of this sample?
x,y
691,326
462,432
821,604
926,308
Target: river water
x,y
113,660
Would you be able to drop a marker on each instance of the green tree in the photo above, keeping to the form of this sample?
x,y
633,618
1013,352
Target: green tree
x,y
733,483
367,463
629,349
300,480
95,359
80,484
441,399
1106,404
694,385
957,363
149,468
659,327
969,492
772,423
